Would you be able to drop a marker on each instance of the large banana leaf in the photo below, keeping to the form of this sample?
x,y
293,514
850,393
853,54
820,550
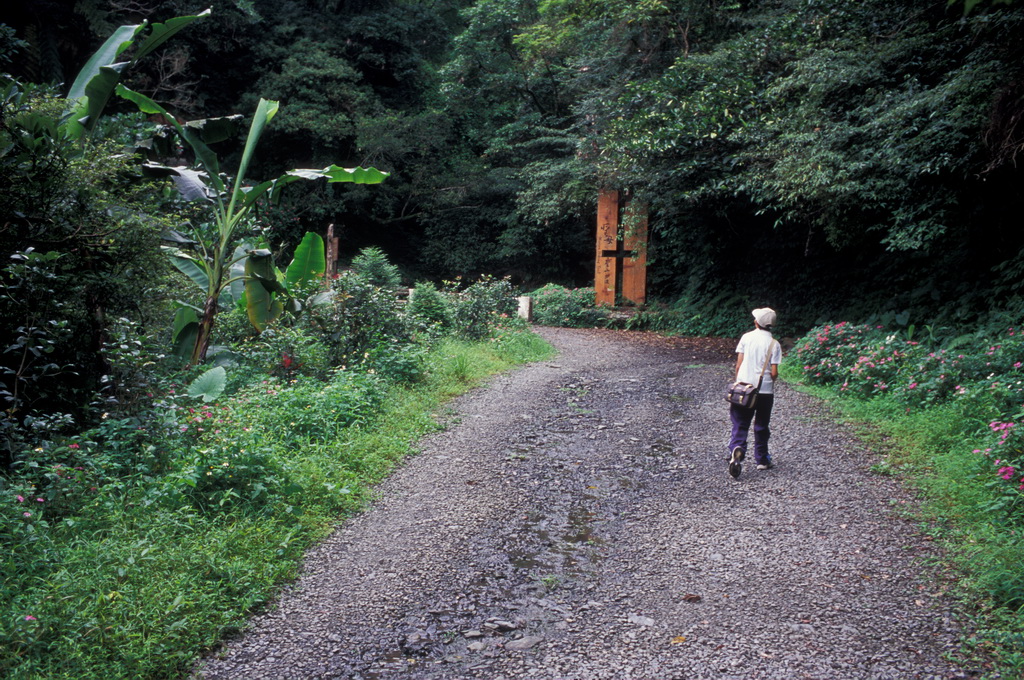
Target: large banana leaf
x,y
120,40
213,130
191,268
333,173
185,331
183,318
262,305
205,155
161,32
237,271
97,94
97,80
309,262
190,184
265,110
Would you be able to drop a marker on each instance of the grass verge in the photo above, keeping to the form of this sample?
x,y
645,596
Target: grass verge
x,y
158,568
931,451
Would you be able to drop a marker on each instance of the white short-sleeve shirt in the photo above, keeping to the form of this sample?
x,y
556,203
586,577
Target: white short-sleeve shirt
x,y
755,346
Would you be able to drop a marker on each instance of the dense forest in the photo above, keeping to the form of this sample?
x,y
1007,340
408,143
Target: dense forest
x,y
850,158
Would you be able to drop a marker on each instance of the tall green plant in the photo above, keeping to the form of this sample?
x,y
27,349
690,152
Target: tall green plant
x,y
269,292
230,204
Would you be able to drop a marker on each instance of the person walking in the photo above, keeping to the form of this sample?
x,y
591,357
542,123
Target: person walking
x,y
755,349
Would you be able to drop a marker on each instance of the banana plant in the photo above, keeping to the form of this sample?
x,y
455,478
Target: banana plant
x,y
231,203
259,287
269,292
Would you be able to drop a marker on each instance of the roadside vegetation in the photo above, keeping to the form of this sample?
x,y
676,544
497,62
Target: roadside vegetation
x,y
131,546
947,413
188,404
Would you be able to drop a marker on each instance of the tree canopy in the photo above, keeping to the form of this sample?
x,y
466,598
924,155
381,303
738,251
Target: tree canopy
x,y
854,156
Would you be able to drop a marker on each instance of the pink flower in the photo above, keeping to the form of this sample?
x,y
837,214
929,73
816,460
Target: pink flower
x,y
1007,472
40,500
74,446
1017,365
26,514
911,386
29,617
21,499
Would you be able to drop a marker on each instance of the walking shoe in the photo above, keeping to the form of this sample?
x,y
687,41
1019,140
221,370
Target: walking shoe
x,y
734,462
765,466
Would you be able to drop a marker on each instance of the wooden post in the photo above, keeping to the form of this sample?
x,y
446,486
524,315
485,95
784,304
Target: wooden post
x,y
634,269
331,270
607,237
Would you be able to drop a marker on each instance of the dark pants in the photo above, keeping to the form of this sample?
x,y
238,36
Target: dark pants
x,y
761,416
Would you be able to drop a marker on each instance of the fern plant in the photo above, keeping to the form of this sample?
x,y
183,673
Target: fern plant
x,y
372,265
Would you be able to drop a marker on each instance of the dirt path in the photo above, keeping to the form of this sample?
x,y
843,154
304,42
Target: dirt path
x,y
578,523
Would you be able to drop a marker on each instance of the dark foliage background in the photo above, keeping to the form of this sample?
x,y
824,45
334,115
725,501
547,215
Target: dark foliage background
x,y
854,159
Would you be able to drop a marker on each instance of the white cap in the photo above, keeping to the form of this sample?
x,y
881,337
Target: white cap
x,y
765,317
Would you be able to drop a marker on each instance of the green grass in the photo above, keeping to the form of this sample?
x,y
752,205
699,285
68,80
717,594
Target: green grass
x,y
931,451
152,573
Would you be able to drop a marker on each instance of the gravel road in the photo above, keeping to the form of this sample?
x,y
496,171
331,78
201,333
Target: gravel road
x,y
576,521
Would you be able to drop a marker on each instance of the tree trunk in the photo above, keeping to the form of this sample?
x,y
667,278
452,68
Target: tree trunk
x,y
205,327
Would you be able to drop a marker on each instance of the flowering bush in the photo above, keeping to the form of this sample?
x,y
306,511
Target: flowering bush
x,y
1004,469
863,362
828,353
984,376
878,369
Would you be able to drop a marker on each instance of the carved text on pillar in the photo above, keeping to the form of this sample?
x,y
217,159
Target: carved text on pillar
x,y
621,258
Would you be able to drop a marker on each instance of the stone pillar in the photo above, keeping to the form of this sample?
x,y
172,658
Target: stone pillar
x,y
525,307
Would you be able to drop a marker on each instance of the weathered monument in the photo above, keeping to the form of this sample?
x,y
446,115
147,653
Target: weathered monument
x,y
621,262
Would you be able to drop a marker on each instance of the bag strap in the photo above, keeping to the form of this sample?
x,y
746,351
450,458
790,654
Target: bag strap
x,y
767,358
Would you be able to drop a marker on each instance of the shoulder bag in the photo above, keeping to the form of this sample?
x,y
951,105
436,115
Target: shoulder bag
x,y
744,394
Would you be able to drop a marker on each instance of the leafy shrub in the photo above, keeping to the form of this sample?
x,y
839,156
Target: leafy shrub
x,y
288,351
476,308
429,310
78,251
232,474
398,362
723,315
373,266
305,408
360,318
648,320
555,305
233,328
